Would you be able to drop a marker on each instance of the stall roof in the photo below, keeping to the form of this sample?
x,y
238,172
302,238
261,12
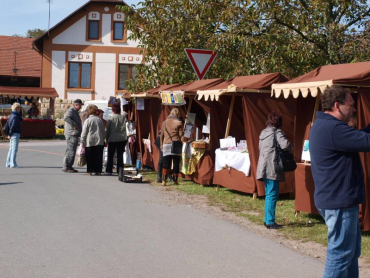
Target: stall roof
x,y
194,86
354,74
260,83
155,91
28,92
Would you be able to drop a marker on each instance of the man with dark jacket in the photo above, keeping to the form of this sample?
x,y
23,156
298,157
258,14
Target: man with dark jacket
x,y
339,179
72,131
160,162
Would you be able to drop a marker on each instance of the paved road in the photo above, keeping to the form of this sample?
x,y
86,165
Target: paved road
x,y
54,224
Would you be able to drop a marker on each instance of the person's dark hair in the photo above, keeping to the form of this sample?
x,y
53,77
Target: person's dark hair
x,y
331,95
91,110
78,101
274,119
116,108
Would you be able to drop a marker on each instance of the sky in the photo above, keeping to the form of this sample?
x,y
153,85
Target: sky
x,y
18,16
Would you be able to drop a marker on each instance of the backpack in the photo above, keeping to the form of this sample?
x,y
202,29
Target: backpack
x,y
6,129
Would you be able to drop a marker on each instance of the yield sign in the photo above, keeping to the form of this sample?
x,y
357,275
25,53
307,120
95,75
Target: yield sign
x,y
201,60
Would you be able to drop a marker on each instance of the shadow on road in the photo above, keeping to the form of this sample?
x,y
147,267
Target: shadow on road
x,y
8,183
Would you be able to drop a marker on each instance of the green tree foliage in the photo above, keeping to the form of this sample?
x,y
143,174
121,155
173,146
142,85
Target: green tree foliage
x,y
35,33
252,37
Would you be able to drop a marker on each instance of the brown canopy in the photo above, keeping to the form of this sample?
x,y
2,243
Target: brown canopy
x,y
194,86
260,83
355,74
155,91
28,92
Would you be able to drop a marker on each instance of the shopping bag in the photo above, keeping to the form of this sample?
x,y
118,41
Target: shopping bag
x,y
81,160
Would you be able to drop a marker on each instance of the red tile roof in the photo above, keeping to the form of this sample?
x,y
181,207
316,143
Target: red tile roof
x,y
28,59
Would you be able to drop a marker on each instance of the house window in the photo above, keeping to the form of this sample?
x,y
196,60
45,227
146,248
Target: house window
x,y
118,31
126,72
93,30
79,75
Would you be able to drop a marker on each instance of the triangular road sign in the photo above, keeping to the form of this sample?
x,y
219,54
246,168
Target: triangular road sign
x,y
201,60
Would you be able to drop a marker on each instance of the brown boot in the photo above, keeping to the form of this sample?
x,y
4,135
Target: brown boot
x,y
165,174
175,177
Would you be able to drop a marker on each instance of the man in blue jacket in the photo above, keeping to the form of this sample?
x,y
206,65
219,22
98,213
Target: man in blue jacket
x,y
339,179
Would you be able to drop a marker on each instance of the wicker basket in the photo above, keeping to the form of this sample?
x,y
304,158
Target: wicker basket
x,y
199,145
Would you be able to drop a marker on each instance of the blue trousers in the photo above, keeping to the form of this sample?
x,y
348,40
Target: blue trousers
x,y
272,195
344,242
13,149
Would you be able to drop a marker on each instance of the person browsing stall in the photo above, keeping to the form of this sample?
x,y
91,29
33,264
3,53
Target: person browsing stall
x,y
265,167
339,179
172,131
116,137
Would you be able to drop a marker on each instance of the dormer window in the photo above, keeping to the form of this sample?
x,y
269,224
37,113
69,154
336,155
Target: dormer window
x,y
93,30
118,27
93,26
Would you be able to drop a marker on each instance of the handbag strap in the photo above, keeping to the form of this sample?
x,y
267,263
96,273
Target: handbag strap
x,y
167,131
277,146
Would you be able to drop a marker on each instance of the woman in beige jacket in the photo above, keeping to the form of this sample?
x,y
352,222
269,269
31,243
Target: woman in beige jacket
x,y
92,137
172,130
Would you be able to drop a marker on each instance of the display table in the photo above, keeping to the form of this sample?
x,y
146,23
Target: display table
x,y
304,188
36,128
230,159
232,170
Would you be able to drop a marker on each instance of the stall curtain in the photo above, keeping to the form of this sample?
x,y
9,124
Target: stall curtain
x,y
363,118
256,109
143,130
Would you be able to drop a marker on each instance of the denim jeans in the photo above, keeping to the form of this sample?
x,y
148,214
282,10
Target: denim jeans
x,y
344,242
13,149
69,158
272,195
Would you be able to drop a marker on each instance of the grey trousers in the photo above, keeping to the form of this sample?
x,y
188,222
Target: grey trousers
x,y
69,158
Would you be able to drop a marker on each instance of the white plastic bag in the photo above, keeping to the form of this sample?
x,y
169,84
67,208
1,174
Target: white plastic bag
x,y
80,150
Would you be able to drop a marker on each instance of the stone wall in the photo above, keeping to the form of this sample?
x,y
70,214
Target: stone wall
x,y
60,108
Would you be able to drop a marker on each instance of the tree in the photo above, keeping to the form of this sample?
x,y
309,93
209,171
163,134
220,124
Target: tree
x,y
252,37
35,33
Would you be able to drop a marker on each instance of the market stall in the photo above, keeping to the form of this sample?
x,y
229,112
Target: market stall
x,y
38,125
355,76
147,117
239,107
200,158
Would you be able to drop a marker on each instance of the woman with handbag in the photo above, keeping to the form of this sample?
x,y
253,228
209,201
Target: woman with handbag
x,y
115,135
92,138
266,170
171,134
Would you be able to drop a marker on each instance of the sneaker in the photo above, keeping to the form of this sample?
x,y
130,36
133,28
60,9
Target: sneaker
x,y
64,170
16,166
272,226
7,166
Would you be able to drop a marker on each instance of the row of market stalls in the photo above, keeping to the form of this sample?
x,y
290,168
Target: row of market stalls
x,y
239,108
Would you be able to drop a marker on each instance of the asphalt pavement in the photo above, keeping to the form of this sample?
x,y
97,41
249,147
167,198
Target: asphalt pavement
x,y
55,224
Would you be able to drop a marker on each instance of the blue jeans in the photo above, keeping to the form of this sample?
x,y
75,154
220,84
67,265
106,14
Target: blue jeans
x,y
272,195
13,149
344,242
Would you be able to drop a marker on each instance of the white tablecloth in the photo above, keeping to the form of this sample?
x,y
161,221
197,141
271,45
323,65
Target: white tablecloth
x,y
237,160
